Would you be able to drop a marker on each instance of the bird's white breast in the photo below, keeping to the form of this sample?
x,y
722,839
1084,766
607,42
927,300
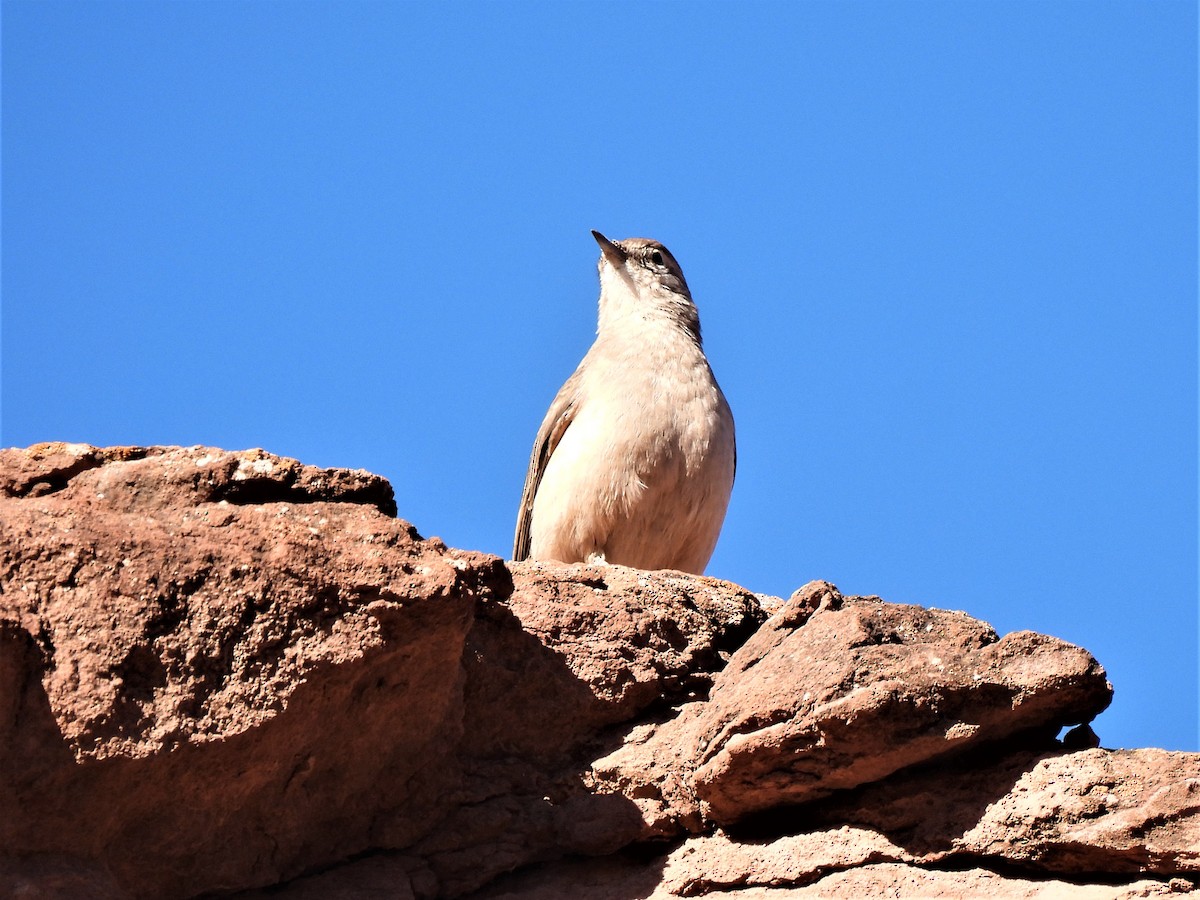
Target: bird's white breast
x,y
642,476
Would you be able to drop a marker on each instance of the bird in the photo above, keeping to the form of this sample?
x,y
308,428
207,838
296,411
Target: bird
x,y
635,460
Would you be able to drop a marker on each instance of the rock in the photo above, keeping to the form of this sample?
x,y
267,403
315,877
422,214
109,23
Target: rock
x,y
625,876
831,697
706,865
202,695
654,767
163,477
904,882
1104,813
1096,811
577,648
231,674
376,877
1114,811
55,877
833,692
551,675
246,684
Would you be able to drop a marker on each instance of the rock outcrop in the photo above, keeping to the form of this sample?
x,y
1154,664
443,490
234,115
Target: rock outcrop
x,y
232,674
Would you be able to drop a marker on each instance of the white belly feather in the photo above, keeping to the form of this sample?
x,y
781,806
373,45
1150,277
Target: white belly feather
x,y
642,484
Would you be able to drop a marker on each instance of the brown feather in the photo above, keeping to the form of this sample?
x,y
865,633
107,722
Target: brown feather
x,y
554,425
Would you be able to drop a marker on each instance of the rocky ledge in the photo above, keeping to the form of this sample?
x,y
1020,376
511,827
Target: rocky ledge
x,y
227,673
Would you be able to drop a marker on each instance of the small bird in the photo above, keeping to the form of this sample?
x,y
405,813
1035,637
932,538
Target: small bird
x,y
635,460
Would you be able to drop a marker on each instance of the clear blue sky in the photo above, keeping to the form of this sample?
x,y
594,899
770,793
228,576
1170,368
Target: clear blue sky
x,y
945,256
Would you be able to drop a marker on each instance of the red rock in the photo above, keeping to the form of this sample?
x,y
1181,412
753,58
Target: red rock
x,y
575,651
1096,811
578,647
199,695
622,877
227,671
1116,811
828,700
162,477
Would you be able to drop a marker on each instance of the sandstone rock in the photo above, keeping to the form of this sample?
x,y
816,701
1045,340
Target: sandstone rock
x,y
161,477
654,768
199,694
244,684
387,876
1097,813
1102,813
1109,812
551,674
55,877
1116,811
577,648
904,882
834,692
622,877
825,700
230,672
706,865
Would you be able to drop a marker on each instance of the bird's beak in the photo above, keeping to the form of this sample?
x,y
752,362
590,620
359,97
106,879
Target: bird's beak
x,y
612,252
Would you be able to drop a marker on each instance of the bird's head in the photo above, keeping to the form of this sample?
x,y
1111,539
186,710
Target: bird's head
x,y
641,281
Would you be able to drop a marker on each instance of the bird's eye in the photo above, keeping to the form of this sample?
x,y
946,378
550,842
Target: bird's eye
x,y
656,258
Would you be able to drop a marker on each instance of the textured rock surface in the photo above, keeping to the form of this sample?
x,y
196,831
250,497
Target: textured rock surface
x,y
857,689
227,672
1098,811
630,877
553,675
234,691
832,693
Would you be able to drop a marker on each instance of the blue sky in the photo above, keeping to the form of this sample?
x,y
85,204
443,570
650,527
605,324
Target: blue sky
x,y
945,256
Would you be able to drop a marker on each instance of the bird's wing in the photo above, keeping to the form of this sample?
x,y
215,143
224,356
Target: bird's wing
x,y
558,419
